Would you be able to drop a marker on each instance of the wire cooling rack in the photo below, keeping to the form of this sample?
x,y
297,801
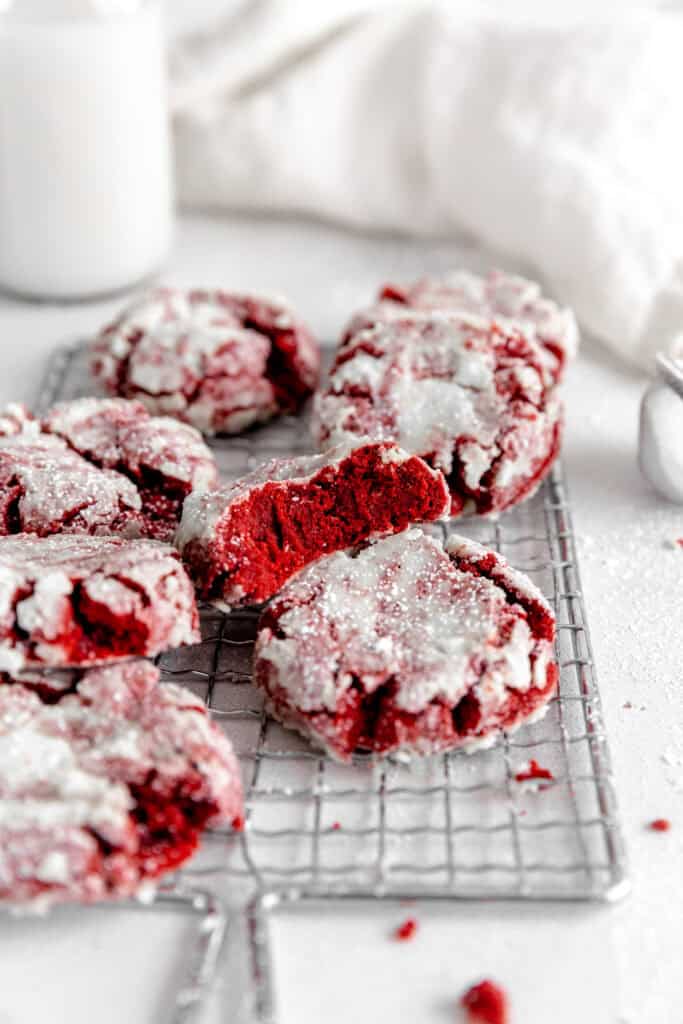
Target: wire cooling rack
x,y
450,826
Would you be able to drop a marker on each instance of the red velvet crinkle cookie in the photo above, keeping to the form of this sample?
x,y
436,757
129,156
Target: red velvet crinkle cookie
x,y
218,360
46,488
165,459
468,395
243,541
69,601
496,296
406,646
107,786
99,466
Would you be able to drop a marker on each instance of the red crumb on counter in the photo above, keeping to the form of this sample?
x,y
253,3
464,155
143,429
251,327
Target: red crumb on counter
x,y
533,770
407,930
486,1003
660,825
335,826
238,823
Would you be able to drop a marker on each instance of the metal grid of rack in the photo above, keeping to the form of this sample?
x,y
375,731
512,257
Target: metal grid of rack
x,y
450,826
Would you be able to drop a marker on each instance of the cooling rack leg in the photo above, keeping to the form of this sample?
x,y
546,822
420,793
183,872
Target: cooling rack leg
x,y
191,997
260,957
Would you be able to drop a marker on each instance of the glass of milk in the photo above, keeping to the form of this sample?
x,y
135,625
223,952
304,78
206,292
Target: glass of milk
x,y
85,180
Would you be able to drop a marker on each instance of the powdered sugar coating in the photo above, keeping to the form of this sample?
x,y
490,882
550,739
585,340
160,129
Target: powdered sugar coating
x,y
47,488
119,434
498,296
16,419
67,600
241,542
468,395
463,550
98,466
78,777
218,360
428,648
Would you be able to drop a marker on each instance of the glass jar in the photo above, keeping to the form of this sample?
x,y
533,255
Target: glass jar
x,y
85,181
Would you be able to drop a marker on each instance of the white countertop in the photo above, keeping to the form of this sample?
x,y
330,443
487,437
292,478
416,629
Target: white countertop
x,y
559,963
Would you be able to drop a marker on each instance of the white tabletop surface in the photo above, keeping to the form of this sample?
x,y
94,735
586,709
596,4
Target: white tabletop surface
x,y
559,963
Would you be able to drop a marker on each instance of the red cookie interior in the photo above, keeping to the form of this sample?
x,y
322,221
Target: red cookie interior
x,y
241,543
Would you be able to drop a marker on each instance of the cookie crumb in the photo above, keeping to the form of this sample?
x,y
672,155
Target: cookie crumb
x,y
533,771
486,1003
407,930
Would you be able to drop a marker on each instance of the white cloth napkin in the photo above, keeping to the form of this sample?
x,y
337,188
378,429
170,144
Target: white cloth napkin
x,y
555,139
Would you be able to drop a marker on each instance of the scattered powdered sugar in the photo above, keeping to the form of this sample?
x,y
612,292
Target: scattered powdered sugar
x,y
672,758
